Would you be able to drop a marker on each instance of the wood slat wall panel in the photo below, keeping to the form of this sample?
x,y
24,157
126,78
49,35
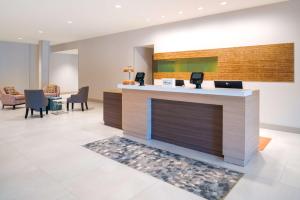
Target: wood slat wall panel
x,y
263,63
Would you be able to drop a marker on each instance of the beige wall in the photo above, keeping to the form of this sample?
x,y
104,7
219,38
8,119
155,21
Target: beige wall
x,y
101,59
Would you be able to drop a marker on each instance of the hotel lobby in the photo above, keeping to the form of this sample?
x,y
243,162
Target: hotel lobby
x,y
140,100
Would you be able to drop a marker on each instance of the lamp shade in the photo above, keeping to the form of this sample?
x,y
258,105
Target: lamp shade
x,y
128,69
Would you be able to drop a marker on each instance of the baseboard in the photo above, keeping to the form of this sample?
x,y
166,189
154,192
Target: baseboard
x,y
95,100
280,128
71,92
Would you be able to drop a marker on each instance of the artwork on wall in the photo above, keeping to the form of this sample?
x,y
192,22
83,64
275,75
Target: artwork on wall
x,y
262,63
208,64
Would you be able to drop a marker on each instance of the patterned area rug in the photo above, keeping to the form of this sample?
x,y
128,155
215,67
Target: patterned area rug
x,y
203,179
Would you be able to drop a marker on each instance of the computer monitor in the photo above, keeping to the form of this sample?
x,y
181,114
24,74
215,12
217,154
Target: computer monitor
x,y
197,79
179,82
140,76
229,84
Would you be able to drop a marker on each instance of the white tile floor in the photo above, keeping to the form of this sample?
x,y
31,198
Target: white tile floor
x,y
43,159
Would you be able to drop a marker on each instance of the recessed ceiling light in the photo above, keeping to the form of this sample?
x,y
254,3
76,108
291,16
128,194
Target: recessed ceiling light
x,y
118,6
200,8
20,38
180,12
69,22
40,31
223,3
163,16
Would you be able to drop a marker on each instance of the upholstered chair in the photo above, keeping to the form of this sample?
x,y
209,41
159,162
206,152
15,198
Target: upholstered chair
x,y
52,90
81,97
9,96
36,101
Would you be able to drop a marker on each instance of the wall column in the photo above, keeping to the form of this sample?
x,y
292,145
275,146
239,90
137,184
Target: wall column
x,y
43,60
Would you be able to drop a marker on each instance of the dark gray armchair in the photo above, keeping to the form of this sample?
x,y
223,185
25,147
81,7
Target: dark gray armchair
x,y
36,101
81,97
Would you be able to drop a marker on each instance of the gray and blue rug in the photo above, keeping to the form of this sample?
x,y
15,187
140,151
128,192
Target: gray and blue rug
x,y
203,179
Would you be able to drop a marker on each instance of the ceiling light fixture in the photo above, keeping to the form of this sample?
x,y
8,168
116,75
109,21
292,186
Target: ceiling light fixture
x,y
118,6
200,8
163,16
40,31
224,3
180,12
69,22
20,38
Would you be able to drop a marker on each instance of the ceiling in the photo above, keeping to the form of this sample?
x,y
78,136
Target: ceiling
x,y
61,21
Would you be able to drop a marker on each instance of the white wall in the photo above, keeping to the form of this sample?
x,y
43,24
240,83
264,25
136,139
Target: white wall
x,y
17,65
102,58
63,71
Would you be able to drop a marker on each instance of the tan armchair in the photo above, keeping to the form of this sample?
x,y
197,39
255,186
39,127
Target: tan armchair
x,y
52,90
11,97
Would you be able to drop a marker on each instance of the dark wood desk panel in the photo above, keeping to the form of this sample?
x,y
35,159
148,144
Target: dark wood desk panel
x,y
112,109
192,125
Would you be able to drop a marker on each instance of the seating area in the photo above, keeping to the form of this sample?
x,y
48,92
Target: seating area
x,y
42,100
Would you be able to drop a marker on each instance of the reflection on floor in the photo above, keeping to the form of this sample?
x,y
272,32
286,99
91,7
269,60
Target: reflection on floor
x,y
45,159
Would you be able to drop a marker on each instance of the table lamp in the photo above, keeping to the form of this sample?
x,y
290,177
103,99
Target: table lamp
x,y
128,69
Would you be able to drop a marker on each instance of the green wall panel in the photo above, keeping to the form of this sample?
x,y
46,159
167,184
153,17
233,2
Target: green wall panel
x,y
187,65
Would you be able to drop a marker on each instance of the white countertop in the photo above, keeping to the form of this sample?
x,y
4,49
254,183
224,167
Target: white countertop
x,y
210,91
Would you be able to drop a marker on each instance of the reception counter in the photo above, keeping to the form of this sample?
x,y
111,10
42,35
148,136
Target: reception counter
x,y
222,122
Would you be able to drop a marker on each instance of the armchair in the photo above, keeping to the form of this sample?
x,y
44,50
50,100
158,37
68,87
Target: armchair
x,y
81,97
10,97
52,90
36,101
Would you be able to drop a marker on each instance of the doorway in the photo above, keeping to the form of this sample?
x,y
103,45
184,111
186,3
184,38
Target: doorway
x,y
63,70
143,61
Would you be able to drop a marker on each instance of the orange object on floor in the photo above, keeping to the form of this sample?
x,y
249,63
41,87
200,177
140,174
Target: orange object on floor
x,y
263,142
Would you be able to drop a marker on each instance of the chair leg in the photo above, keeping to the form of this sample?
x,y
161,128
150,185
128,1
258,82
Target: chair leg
x,y
82,107
2,106
41,112
47,109
86,106
26,114
72,106
67,106
14,107
31,111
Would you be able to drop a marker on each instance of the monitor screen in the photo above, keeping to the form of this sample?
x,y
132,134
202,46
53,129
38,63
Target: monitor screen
x,y
197,79
139,76
197,76
229,84
179,82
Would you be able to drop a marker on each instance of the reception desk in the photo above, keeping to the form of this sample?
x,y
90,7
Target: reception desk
x,y
222,122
